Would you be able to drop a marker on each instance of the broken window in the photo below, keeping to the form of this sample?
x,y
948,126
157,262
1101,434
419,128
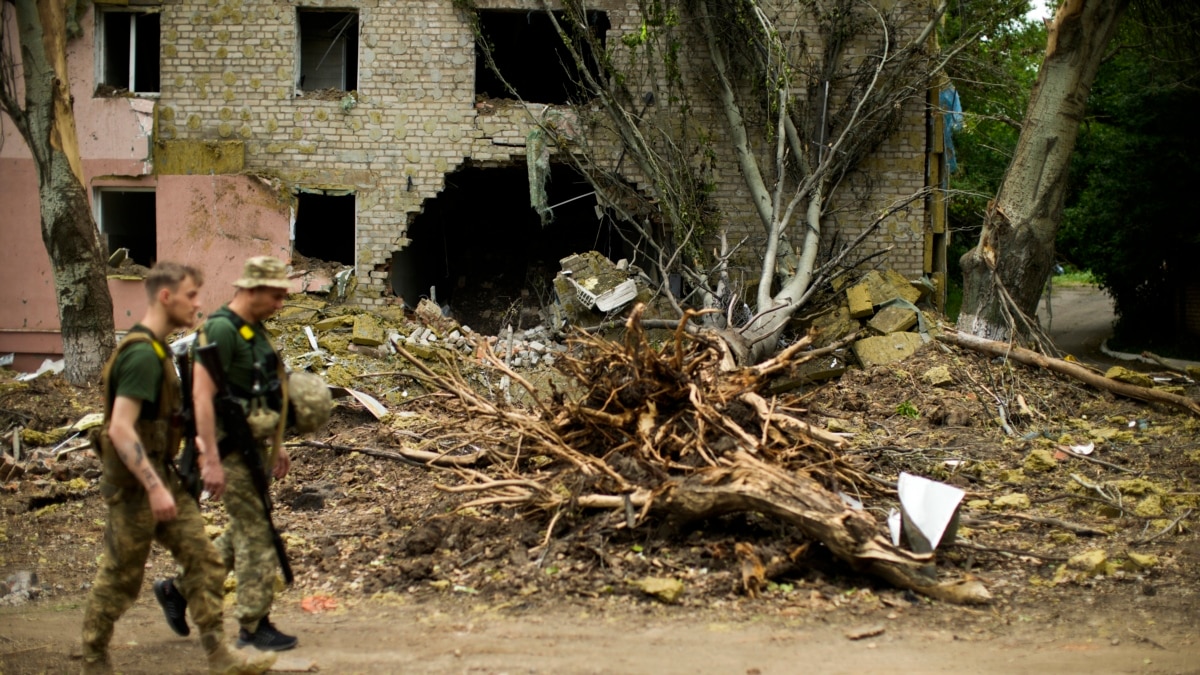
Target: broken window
x,y
531,56
127,51
325,227
328,50
127,219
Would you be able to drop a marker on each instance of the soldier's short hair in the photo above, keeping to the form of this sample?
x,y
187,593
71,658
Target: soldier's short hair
x,y
167,274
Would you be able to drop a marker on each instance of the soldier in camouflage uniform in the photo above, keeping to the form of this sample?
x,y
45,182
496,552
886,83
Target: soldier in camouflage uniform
x,y
253,373
146,501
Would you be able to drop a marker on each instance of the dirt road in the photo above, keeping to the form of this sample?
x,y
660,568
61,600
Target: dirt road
x,y
395,636
1129,622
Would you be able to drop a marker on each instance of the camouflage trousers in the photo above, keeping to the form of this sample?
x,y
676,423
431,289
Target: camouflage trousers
x,y
246,545
128,535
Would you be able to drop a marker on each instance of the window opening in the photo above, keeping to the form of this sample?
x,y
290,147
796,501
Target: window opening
x,y
325,227
531,56
128,52
127,219
328,50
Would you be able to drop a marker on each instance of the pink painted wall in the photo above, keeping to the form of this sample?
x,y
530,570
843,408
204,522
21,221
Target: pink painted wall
x,y
214,222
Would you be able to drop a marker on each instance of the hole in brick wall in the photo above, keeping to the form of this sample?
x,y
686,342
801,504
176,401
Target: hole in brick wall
x,y
483,248
325,227
328,49
531,56
127,219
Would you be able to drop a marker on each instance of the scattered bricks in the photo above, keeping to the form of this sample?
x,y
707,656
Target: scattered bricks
x,y
369,352
859,298
1090,563
814,370
421,351
939,377
332,322
367,331
1142,561
1015,500
893,319
1011,476
903,286
430,314
1040,460
9,469
833,325
1150,507
884,349
1128,376
666,590
881,290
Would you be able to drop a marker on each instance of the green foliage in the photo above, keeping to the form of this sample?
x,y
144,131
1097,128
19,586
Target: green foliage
x,y
1129,215
994,77
1073,277
907,409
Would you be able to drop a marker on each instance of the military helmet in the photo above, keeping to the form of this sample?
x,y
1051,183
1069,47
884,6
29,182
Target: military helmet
x,y
311,401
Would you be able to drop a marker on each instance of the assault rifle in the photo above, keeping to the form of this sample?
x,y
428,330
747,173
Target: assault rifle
x,y
239,439
189,470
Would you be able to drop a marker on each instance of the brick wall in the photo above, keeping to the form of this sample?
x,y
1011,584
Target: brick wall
x,y
228,74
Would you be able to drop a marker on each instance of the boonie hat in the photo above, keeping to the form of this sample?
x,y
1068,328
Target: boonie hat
x,y
264,270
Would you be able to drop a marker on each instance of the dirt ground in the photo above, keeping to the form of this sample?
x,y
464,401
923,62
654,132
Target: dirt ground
x,y
391,577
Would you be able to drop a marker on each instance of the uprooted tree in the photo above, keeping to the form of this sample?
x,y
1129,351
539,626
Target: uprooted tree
x,y
667,433
807,93
46,121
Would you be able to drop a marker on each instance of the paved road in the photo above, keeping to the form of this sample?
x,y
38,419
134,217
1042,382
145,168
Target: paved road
x,y
1079,319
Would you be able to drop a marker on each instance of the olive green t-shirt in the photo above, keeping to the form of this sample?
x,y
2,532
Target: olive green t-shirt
x,y
138,374
237,354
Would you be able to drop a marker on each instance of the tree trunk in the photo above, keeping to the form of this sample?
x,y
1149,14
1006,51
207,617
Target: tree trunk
x,y
1007,270
48,125
795,498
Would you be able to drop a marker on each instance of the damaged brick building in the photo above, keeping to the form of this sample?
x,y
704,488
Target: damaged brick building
x,y
357,132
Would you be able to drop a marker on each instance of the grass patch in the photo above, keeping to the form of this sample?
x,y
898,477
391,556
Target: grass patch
x,y
1074,278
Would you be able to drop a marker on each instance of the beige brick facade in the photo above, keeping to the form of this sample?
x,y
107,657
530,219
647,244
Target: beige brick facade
x,y
228,73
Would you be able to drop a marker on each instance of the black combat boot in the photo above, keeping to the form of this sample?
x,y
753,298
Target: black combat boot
x,y
174,606
267,637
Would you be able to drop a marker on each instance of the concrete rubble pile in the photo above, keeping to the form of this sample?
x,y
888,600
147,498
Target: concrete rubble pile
x,y
880,307
342,343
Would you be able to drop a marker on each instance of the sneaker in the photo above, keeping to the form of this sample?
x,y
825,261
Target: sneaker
x,y
266,638
174,606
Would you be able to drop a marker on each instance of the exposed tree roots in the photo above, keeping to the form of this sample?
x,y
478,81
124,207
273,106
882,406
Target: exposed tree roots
x,y
676,432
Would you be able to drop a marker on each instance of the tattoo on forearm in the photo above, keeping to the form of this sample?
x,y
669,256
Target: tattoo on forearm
x,y
138,453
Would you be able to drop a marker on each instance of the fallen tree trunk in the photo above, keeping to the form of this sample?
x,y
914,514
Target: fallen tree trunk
x,y
853,536
1032,358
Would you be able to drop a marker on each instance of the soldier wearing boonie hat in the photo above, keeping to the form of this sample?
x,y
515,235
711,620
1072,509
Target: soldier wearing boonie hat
x,y
256,377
